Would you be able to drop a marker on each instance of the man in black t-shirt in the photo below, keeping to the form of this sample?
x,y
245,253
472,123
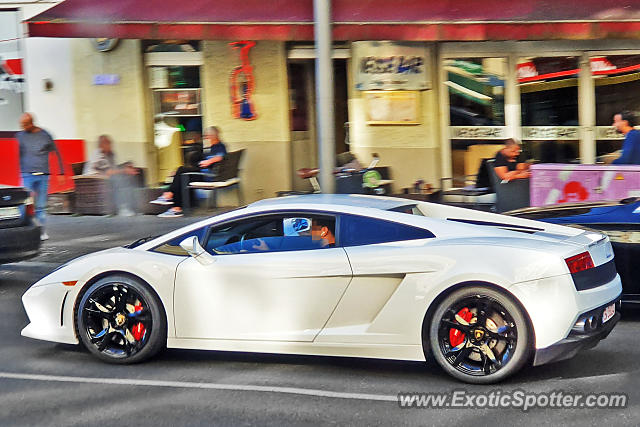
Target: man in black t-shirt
x,y
509,163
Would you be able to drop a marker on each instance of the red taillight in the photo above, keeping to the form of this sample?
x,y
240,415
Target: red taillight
x,y
579,262
31,210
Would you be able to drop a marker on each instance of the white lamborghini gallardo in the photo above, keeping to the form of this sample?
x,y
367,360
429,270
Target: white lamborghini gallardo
x,y
342,275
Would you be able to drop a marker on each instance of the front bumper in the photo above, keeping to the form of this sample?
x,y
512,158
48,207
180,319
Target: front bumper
x,y
576,342
18,243
49,309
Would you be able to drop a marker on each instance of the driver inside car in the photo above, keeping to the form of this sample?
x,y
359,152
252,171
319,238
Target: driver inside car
x,y
297,234
322,232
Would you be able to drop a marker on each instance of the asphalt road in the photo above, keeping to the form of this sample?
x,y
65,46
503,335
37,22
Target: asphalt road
x,y
45,384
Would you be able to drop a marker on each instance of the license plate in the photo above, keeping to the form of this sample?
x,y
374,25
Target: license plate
x,y
10,212
608,313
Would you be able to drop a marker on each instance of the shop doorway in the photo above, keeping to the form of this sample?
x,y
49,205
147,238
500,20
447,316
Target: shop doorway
x,y
302,111
173,71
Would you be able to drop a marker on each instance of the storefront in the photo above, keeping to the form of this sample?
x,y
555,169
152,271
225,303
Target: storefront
x,y
558,97
552,77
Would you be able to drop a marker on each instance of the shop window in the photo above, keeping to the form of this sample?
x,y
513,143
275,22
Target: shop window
x,y
476,112
549,106
476,91
617,82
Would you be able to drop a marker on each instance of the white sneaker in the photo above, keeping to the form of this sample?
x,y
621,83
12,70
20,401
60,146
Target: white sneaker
x,y
44,236
170,214
162,201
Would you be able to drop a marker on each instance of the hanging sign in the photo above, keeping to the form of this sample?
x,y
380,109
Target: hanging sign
x,y
242,84
388,65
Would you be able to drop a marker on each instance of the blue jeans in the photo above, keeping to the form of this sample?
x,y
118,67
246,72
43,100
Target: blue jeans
x,y
39,184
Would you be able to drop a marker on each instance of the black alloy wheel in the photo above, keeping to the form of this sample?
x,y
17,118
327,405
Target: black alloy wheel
x,y
478,335
121,321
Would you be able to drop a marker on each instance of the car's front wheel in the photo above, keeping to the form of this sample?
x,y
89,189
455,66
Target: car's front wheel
x,y
479,335
120,320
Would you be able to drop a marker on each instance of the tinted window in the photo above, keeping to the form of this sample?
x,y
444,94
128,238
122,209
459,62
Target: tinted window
x,y
273,233
359,230
172,247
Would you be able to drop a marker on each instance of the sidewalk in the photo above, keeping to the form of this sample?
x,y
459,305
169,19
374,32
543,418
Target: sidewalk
x,y
73,236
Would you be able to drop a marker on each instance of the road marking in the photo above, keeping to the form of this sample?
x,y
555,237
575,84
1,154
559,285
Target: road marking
x,y
196,385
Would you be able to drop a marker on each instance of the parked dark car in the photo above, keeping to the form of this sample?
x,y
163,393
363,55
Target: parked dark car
x,y
619,220
19,234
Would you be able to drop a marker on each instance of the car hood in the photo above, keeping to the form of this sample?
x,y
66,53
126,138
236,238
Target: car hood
x,y
61,273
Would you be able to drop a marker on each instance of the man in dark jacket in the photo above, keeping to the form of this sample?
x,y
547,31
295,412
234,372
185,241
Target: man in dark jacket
x,y
35,145
214,154
624,122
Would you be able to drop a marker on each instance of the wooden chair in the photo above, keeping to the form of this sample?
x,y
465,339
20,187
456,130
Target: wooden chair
x,y
228,176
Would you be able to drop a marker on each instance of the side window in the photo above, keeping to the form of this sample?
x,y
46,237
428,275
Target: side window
x,y
172,247
360,230
274,233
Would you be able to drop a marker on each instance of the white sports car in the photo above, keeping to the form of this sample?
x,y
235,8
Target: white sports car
x,y
342,275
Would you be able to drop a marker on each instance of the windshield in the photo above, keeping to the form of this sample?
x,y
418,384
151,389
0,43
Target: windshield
x,y
140,241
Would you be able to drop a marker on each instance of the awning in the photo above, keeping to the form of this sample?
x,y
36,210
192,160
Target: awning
x,y
426,20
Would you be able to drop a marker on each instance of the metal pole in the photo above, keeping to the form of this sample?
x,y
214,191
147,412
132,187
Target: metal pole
x,y
512,112
324,94
587,111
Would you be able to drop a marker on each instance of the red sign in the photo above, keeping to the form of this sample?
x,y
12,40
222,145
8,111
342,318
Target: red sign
x,y
12,66
71,150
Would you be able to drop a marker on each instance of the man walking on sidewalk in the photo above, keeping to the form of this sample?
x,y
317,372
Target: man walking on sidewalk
x,y
35,145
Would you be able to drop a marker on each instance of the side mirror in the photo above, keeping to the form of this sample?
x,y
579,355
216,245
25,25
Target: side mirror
x,y
192,246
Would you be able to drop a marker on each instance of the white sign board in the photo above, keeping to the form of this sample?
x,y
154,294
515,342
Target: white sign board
x,y
387,65
608,132
550,133
478,132
11,78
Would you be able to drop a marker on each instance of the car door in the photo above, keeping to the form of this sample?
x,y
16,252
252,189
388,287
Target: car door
x,y
269,279
383,255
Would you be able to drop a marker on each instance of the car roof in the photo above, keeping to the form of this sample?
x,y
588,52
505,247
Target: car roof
x,y
356,200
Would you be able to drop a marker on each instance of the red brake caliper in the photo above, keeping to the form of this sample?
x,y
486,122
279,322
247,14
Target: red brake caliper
x,y
455,336
138,329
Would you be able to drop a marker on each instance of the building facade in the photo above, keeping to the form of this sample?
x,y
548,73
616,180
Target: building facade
x,y
430,90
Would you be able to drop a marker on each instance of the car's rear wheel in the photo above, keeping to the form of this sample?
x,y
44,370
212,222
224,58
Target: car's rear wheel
x,y
479,335
120,320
